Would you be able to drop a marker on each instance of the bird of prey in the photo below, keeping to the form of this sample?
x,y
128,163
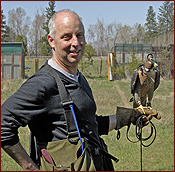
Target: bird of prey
x,y
144,82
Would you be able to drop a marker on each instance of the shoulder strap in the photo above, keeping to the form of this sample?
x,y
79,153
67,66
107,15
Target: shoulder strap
x,y
66,101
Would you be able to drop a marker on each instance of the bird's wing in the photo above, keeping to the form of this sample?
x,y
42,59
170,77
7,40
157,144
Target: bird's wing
x,y
134,80
157,79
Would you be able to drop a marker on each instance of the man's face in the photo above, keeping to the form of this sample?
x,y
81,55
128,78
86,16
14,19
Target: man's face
x,y
69,40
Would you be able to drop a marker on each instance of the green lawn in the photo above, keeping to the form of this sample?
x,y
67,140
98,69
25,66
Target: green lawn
x,y
108,95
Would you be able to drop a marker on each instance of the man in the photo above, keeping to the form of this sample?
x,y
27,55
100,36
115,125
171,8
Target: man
x,y
37,103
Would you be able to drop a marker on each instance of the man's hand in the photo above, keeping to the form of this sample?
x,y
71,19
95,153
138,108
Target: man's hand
x,y
126,116
18,153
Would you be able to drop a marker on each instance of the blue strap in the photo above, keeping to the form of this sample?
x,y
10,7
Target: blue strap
x,y
76,125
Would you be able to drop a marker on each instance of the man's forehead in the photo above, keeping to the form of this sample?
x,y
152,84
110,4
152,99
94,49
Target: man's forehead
x,y
65,20
68,19
65,16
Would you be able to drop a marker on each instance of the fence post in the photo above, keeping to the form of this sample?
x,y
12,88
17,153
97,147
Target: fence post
x,y
21,66
123,57
36,65
111,66
2,65
142,57
12,65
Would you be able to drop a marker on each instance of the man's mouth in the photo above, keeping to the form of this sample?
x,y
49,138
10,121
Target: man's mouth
x,y
74,53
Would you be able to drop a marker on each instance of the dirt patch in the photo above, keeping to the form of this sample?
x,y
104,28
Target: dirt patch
x,y
123,98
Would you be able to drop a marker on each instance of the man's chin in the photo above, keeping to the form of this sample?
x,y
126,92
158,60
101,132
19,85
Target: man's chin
x,y
75,59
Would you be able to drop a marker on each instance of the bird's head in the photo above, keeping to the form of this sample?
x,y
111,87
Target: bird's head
x,y
148,65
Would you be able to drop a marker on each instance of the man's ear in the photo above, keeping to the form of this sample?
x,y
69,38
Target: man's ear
x,y
51,42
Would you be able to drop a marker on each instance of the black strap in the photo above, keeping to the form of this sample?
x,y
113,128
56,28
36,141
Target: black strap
x,y
66,101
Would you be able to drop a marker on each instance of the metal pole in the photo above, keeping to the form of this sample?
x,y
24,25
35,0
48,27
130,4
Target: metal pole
x,y
140,156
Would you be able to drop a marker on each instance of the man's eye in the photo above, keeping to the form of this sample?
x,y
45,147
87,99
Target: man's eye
x,y
67,37
80,35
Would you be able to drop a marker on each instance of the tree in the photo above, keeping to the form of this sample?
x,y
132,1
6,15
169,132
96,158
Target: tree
x,y
3,27
166,17
22,39
91,35
166,22
36,33
151,24
100,29
87,58
138,34
110,36
124,33
89,52
45,47
18,22
96,36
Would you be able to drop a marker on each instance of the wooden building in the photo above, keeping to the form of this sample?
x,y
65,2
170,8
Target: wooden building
x,y
12,60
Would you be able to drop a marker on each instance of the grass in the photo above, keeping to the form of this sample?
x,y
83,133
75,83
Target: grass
x,y
108,95
8,87
160,155
29,72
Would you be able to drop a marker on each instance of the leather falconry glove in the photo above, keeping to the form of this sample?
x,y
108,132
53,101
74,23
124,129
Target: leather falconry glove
x,y
126,116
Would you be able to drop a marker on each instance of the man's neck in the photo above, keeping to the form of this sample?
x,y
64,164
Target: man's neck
x,y
71,70
55,66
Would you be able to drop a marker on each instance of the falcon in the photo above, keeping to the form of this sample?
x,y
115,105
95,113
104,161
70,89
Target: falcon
x,y
145,80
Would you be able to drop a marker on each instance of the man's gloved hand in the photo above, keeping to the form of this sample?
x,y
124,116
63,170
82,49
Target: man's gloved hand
x,y
126,116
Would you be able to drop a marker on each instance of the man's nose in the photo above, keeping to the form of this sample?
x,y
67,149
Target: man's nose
x,y
75,41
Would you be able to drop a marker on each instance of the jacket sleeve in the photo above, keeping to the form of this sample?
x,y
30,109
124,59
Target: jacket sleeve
x,y
103,124
19,109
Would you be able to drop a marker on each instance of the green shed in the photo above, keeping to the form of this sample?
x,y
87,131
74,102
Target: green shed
x,y
12,60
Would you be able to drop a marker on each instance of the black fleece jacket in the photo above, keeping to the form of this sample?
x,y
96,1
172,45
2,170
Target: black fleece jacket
x,y
37,104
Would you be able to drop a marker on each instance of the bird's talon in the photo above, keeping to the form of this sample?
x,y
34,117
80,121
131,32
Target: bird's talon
x,y
142,108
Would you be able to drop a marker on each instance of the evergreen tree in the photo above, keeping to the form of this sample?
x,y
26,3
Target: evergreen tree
x,y
3,26
45,47
151,24
8,34
87,60
166,17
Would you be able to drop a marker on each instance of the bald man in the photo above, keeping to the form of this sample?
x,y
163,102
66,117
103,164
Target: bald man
x,y
37,103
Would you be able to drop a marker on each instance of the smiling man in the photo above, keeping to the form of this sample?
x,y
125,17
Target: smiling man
x,y
67,40
38,104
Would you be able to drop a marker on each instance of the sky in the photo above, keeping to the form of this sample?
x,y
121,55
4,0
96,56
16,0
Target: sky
x,y
124,12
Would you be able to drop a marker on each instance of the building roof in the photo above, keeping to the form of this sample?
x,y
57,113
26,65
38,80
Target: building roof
x,y
12,47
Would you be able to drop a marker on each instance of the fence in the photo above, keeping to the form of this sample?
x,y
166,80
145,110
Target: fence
x,y
35,63
124,52
164,55
12,66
